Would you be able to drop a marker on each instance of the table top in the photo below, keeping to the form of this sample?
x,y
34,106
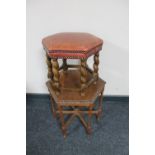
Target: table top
x,y
71,80
72,45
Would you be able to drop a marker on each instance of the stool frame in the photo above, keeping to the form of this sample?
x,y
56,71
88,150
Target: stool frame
x,y
53,72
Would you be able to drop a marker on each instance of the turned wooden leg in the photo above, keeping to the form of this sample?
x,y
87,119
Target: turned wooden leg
x,y
49,65
95,66
83,75
89,129
55,69
53,106
100,106
65,65
63,127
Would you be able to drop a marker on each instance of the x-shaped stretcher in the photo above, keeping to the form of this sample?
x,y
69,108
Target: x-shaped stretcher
x,y
76,110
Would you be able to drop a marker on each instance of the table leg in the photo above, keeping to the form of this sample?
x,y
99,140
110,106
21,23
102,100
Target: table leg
x,y
100,105
89,129
63,127
53,106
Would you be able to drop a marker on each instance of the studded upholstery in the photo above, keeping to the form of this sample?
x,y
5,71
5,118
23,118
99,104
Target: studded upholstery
x,y
72,45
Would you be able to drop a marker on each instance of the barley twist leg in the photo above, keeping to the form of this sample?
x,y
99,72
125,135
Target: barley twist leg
x,y
55,69
49,65
89,129
83,75
65,65
95,66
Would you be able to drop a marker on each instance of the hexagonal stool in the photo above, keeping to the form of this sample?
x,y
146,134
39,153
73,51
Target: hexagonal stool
x,y
72,46
73,104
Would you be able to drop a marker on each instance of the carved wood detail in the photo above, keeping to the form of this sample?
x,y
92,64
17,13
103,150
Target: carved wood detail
x,y
49,65
65,67
55,69
83,75
95,66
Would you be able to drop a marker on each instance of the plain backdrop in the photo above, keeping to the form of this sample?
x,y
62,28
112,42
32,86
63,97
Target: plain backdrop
x,y
12,66
107,19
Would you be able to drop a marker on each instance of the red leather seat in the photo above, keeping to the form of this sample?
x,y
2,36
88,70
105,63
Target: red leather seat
x,y
73,45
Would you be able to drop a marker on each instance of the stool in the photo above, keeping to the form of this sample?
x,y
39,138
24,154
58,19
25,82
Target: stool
x,y
72,46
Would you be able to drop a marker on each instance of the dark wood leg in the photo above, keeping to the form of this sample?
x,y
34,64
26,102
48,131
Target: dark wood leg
x,y
53,106
100,106
63,127
95,66
89,129
65,65
55,69
48,61
83,75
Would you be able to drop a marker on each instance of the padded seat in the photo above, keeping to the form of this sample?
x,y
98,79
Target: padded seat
x,y
73,45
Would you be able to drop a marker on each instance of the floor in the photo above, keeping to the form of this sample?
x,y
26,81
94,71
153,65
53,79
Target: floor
x,y
109,137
